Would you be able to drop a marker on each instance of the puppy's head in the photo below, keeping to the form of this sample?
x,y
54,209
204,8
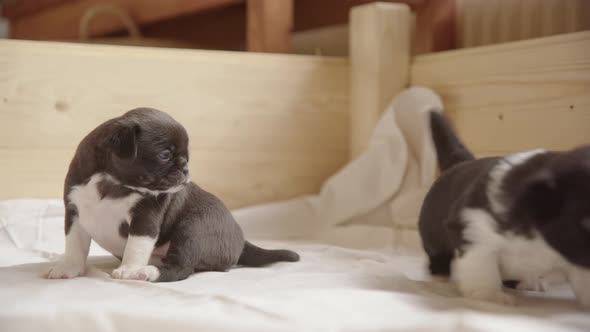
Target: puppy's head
x,y
556,201
148,149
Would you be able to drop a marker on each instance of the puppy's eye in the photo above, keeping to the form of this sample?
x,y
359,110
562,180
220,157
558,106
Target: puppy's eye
x,y
165,155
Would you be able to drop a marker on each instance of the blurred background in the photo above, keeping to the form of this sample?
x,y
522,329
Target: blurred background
x,y
281,26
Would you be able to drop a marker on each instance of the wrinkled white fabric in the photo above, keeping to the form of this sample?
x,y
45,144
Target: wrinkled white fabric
x,y
383,187
361,266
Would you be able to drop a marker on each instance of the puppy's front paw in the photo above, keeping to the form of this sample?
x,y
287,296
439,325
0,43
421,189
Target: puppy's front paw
x,y
65,270
496,296
136,272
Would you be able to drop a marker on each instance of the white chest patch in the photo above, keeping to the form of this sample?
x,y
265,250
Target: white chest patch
x,y
102,217
498,173
518,257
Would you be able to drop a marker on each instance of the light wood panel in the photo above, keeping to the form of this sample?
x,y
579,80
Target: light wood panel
x,y
380,49
262,127
514,96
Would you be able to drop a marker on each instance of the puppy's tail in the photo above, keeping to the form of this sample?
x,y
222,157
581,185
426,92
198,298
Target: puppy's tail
x,y
449,149
256,256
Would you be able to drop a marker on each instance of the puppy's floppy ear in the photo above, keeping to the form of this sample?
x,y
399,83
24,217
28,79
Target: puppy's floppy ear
x,y
541,198
124,139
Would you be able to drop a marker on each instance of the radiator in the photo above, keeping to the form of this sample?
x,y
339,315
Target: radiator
x,y
482,22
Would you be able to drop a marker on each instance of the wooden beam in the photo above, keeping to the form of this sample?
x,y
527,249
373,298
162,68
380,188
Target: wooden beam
x,y
219,29
313,14
435,27
380,49
62,21
269,25
16,8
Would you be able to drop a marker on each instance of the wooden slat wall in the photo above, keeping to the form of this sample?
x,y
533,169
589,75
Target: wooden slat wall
x,y
485,22
514,96
270,23
262,127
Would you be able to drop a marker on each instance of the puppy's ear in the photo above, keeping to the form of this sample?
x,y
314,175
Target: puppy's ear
x,y
541,198
124,140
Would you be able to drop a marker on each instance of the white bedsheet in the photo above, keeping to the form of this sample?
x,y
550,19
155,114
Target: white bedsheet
x,y
361,267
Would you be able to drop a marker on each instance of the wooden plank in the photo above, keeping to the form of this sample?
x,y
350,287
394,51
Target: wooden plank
x,y
515,96
219,29
262,127
380,48
42,25
435,27
269,25
16,8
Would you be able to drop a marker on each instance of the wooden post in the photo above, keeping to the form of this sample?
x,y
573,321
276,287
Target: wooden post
x,y
380,51
269,25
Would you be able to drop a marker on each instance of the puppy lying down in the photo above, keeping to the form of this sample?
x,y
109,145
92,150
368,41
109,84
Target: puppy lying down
x,y
128,188
512,219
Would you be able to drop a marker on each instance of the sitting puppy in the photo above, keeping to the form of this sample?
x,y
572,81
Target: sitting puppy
x,y
128,188
513,218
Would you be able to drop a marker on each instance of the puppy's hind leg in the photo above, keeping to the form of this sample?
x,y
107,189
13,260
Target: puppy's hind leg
x,y
170,272
178,264
194,248
440,267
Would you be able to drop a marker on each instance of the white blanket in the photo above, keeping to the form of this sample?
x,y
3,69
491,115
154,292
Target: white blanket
x,y
361,266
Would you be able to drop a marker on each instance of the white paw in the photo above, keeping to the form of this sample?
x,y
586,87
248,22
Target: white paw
x,y
496,296
136,272
534,285
65,270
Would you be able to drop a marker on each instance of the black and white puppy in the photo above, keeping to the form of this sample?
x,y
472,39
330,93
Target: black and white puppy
x,y
514,218
128,188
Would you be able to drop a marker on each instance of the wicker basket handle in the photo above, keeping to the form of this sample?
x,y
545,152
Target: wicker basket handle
x,y
116,11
